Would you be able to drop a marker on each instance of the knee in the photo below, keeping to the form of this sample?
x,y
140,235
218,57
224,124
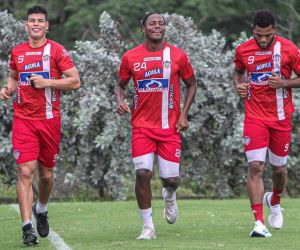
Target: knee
x,y
143,175
256,169
46,178
280,171
25,174
172,182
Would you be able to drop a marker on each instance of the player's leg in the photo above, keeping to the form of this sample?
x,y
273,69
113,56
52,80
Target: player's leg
x,y
168,150
49,131
278,154
26,149
143,149
256,139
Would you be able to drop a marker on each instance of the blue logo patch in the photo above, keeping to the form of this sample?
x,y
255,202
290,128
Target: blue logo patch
x,y
260,78
153,72
32,65
24,76
153,85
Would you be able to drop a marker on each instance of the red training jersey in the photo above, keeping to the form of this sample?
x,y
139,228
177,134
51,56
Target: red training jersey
x,y
156,76
48,61
262,101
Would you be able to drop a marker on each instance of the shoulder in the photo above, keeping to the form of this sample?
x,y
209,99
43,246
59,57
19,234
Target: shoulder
x,y
246,45
285,41
21,46
55,45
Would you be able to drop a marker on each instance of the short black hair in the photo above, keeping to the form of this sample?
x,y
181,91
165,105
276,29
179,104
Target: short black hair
x,y
143,21
36,10
264,18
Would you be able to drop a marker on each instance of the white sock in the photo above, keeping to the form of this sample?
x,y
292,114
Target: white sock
x,y
146,215
169,194
41,208
25,222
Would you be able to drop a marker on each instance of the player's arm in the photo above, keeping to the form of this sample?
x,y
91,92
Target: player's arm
x,y
7,91
275,81
119,91
191,88
240,83
71,81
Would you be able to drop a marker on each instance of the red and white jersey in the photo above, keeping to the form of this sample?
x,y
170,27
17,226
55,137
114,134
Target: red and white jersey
x,y
283,57
48,61
156,102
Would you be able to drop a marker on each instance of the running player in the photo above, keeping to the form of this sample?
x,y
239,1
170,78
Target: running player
x,y
36,69
156,68
268,61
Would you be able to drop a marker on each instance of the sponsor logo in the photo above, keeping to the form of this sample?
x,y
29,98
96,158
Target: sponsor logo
x,y
167,64
149,59
153,85
246,140
24,76
53,95
33,53
178,153
153,72
263,53
263,66
260,78
16,154
171,96
276,58
32,65
55,157
135,98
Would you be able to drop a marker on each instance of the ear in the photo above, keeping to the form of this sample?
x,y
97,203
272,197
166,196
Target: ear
x,y
26,25
47,25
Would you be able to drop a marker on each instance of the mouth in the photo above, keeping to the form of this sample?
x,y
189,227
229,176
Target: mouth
x,y
36,30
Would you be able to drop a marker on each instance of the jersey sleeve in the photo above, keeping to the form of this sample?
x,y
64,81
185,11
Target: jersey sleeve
x,y
295,59
12,63
124,70
238,59
185,67
63,59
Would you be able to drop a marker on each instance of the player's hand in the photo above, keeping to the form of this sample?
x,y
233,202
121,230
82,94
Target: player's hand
x,y
5,93
38,82
242,89
123,108
182,124
275,81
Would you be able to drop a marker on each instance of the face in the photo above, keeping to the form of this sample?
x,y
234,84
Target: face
x,y
264,36
154,28
37,26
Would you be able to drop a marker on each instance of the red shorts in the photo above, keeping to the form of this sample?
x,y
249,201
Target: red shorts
x,y
36,140
164,142
274,135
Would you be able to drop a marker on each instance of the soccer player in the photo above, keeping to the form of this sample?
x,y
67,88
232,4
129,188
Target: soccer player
x,y
268,61
36,69
156,68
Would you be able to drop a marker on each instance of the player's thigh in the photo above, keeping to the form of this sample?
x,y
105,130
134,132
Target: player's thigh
x,y
50,132
169,157
256,139
279,146
25,140
143,148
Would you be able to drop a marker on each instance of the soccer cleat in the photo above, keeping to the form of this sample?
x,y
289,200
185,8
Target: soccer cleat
x,y
148,233
275,218
171,209
42,224
29,236
260,230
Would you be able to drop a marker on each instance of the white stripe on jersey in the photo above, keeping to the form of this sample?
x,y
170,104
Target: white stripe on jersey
x,y
46,67
165,94
279,91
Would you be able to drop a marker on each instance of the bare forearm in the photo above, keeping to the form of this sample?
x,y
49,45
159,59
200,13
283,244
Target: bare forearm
x,y
12,84
292,83
189,98
68,83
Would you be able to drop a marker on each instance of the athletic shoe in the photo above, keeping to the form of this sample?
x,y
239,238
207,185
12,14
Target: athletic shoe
x,y
260,230
275,218
171,209
29,236
148,233
42,224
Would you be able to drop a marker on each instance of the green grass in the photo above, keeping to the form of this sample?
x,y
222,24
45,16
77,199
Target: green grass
x,y
202,224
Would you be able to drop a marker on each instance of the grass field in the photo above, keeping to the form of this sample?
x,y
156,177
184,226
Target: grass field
x,y
202,224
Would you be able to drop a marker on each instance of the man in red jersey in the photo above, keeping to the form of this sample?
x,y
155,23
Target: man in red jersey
x,y
268,61
156,68
36,69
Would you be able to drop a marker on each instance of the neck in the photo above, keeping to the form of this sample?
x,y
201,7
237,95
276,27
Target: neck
x,y
154,46
35,43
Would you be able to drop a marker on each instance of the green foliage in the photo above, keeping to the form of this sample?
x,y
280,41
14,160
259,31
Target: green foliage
x,y
96,142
